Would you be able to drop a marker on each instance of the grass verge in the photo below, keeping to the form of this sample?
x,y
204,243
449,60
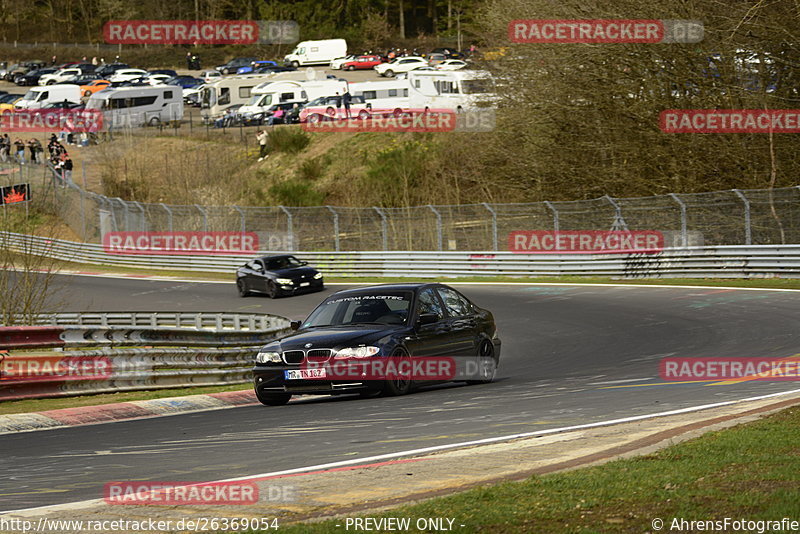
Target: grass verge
x,y
39,405
749,472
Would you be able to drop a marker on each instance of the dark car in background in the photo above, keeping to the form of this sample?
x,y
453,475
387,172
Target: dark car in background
x,y
278,275
273,68
247,69
354,332
235,64
168,72
23,68
184,81
105,71
32,78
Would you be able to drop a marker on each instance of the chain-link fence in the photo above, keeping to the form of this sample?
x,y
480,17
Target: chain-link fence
x,y
734,217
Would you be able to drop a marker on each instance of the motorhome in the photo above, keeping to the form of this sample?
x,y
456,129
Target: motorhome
x,y
131,107
316,52
456,90
218,96
390,96
290,91
38,97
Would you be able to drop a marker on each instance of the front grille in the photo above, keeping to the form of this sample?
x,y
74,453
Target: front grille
x,y
293,356
318,355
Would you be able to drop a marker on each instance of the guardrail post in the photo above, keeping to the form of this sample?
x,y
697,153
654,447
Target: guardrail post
x,y
748,237
335,226
438,226
289,225
684,233
205,216
169,214
384,227
243,222
494,224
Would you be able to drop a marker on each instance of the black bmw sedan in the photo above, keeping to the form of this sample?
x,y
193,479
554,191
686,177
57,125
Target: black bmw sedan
x,y
277,276
387,338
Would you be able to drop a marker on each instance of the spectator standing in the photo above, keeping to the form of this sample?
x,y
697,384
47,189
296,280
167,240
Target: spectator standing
x,y
189,60
36,150
19,145
346,100
5,147
94,61
262,137
195,62
66,167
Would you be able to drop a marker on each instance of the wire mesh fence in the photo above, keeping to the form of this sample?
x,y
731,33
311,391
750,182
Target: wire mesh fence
x,y
733,217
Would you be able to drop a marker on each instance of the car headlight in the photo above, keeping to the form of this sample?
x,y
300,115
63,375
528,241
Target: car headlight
x,y
284,281
268,357
317,276
356,352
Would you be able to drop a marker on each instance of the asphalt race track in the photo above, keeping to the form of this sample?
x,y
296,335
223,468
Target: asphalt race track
x,y
571,355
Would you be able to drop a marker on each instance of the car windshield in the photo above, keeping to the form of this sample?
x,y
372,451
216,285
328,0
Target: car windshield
x,y
283,262
386,308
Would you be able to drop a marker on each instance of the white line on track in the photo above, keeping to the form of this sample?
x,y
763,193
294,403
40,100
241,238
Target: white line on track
x,y
425,450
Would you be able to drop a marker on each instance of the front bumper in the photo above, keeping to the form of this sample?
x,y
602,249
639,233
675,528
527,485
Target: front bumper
x,y
295,288
272,380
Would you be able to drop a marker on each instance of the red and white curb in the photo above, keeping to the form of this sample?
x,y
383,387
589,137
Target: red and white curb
x,y
123,411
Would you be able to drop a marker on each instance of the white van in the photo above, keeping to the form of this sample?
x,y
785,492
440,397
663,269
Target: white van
x,y
456,90
218,96
317,52
390,96
131,107
288,92
37,97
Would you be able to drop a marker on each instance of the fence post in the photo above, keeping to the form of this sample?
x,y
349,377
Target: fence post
x,y
124,207
748,237
289,225
169,214
494,225
556,222
243,223
384,228
619,221
438,226
335,226
205,216
144,214
682,204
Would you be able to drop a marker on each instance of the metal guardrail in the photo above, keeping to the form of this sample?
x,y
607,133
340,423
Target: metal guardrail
x,y
730,261
76,354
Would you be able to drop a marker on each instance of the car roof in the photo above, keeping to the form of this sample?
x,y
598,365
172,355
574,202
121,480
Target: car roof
x,y
407,286
274,256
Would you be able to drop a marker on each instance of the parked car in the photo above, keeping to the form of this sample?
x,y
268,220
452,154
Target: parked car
x,y
276,276
124,75
23,68
273,68
449,53
107,70
325,108
191,96
435,59
168,72
363,63
32,78
337,63
157,79
65,104
95,85
209,76
401,64
233,65
366,340
7,102
247,69
451,64
184,81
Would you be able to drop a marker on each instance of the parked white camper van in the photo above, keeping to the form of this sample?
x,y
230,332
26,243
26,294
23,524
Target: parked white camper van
x,y
316,52
287,92
38,97
218,96
456,90
132,107
390,96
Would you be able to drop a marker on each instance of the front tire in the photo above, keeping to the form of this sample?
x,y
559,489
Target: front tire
x,y
389,73
273,399
241,287
398,385
272,290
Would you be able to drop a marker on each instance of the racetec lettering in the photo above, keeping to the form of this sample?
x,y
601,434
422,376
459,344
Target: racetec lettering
x,y
47,120
180,242
15,368
365,297
730,121
729,369
584,241
201,32
179,493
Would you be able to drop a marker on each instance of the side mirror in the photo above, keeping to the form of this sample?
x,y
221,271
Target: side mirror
x,y
294,325
427,318
303,262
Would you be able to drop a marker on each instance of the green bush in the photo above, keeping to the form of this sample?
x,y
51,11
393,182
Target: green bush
x,y
288,139
295,193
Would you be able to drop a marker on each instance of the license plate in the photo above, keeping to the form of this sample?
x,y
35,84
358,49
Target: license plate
x,y
303,284
304,374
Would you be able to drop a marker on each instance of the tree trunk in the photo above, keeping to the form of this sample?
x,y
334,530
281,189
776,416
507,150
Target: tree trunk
x,y
402,22
449,14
